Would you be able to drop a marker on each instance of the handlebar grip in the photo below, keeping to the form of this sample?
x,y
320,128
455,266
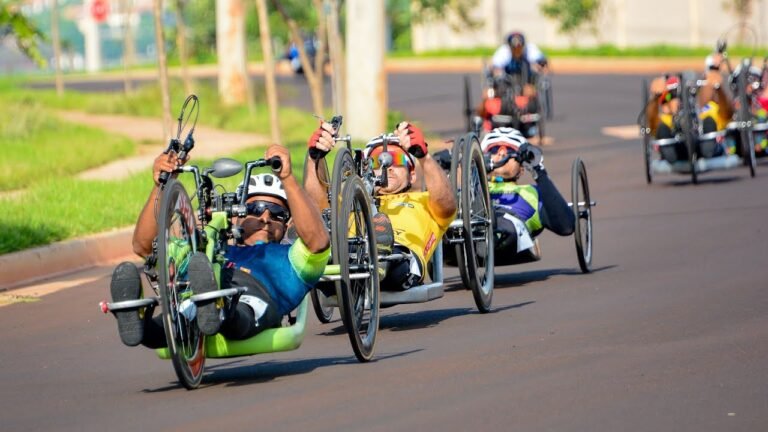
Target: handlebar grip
x,y
275,163
164,176
316,153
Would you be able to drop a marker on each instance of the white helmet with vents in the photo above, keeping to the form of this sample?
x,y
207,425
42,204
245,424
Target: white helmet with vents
x,y
265,184
503,136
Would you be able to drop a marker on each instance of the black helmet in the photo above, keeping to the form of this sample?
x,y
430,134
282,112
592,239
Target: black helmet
x,y
516,39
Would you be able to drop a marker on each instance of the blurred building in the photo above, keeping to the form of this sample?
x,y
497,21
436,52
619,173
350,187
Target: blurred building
x,y
622,23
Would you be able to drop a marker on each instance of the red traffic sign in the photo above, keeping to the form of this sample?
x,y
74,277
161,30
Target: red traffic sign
x,y
99,10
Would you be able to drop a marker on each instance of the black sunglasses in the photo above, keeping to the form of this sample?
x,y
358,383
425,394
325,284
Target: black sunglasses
x,y
276,211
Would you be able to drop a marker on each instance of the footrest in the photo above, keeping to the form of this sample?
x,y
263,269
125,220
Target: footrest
x,y
417,294
128,304
218,294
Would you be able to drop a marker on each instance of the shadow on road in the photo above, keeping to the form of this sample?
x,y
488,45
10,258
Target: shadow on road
x,y
427,319
508,280
231,375
703,180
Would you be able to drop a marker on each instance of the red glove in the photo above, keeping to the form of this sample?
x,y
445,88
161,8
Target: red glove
x,y
418,146
314,152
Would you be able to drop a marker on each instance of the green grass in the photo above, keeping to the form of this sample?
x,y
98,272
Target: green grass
x,y
55,205
36,146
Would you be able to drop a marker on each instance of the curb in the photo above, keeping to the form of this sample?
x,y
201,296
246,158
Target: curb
x,y
58,259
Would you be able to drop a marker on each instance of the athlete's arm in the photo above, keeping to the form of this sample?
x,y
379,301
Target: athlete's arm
x,y
316,187
146,227
305,214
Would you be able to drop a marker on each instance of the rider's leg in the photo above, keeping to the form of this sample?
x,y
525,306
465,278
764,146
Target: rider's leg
x,y
555,213
255,312
126,285
400,275
134,328
506,232
202,280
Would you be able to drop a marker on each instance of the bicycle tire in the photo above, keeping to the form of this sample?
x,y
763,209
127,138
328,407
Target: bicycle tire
x,y
477,218
582,215
176,244
455,179
354,245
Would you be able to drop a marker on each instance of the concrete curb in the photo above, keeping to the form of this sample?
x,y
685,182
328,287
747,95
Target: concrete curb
x,y
58,259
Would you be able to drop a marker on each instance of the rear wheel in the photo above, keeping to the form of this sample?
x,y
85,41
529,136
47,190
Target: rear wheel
x,y
645,130
582,212
477,218
354,249
690,131
176,244
324,313
455,177
745,119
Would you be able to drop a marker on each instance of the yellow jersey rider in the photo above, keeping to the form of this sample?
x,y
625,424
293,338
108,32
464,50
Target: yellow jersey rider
x,y
409,222
714,107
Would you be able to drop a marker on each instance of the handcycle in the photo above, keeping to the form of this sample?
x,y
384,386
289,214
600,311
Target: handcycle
x,y
183,231
472,229
691,151
581,206
506,106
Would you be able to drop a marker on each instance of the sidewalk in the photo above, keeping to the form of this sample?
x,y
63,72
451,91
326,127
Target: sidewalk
x,y
27,267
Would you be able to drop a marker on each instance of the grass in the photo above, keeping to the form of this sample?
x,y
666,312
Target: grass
x,y
42,154
37,147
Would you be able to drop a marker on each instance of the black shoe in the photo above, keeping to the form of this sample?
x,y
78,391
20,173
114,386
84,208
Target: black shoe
x,y
385,237
202,280
126,285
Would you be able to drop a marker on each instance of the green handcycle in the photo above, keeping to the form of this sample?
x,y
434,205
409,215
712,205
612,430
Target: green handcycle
x,y
184,230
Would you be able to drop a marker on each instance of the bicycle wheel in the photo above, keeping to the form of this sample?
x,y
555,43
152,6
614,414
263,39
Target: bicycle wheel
x,y
689,129
354,249
175,245
467,103
744,116
323,313
477,219
645,130
582,212
455,179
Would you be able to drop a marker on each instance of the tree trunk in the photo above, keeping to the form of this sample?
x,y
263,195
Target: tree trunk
x,y
181,42
129,48
162,66
336,52
56,47
269,70
314,77
367,104
230,49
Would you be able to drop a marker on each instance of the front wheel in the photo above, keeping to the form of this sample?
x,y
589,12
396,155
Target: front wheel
x,y
582,212
354,249
455,178
175,245
477,219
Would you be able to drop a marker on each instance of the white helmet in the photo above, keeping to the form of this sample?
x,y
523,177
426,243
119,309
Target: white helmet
x,y
503,135
265,184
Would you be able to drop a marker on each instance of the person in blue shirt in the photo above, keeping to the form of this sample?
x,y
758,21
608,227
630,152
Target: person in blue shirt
x,y
277,276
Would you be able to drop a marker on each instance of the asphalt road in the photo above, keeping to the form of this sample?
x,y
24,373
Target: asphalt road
x,y
669,333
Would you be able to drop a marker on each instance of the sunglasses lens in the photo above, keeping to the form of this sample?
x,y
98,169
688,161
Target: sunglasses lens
x,y
276,212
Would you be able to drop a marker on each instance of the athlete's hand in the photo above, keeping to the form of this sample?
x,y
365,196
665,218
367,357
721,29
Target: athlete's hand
x,y
412,139
321,142
166,162
285,157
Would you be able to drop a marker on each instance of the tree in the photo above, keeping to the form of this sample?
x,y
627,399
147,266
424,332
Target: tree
x,y
572,14
181,42
438,10
269,69
56,47
162,66
27,35
313,72
742,10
